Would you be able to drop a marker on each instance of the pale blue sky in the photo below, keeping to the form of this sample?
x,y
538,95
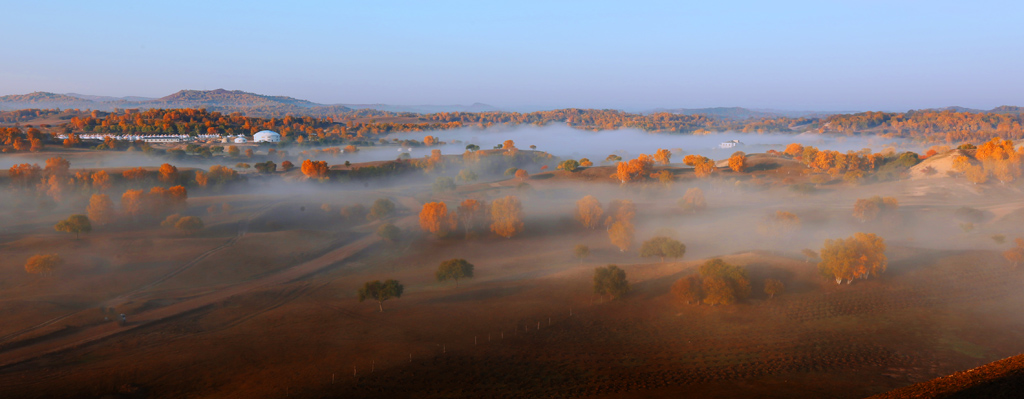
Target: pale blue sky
x,y
813,55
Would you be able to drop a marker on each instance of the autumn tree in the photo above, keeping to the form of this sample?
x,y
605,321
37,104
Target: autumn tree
x,y
168,173
585,162
467,175
132,203
233,151
859,256
435,219
429,141
663,156
688,289
794,149
693,160
507,216
611,281
135,174
724,283
443,184
705,169
454,269
569,165
693,201
382,208
773,286
871,208
522,174
389,232
101,209
470,213
76,224
100,181
57,166
620,211
202,179
315,169
589,212
381,292
43,264
634,169
580,252
738,162
662,247
621,234
189,224
287,165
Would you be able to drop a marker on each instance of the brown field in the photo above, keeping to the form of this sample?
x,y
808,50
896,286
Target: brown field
x,y
262,303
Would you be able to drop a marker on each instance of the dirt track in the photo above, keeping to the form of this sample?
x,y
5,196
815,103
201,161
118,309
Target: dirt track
x,y
99,332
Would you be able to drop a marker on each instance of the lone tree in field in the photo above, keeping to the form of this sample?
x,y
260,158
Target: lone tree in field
x,y
189,224
389,232
738,161
101,209
75,224
809,254
43,264
569,165
662,247
507,216
454,269
859,256
724,283
773,286
589,212
611,281
443,184
580,252
381,292
693,201
382,208
779,224
663,156
688,289
870,209
435,219
470,213
621,234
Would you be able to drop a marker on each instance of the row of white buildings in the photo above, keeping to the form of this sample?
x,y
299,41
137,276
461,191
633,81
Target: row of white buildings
x,y
265,136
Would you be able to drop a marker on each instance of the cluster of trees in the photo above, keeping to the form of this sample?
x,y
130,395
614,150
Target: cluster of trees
x,y
1015,254
859,256
662,247
934,126
996,159
716,283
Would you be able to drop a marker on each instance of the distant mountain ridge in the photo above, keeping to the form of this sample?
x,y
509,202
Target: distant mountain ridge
x,y
259,104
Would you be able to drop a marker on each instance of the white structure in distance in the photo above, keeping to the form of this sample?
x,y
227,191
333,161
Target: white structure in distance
x,y
266,136
730,144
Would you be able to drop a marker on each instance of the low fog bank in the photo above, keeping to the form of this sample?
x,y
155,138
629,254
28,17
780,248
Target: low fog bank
x,y
566,142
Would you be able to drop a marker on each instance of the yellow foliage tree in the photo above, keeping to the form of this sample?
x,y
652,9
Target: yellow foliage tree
x,y
507,216
738,162
663,156
589,212
101,209
621,234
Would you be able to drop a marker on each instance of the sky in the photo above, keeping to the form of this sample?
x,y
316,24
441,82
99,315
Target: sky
x,y
816,55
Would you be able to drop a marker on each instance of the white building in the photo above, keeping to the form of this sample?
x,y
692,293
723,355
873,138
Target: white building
x,y
730,144
240,140
266,136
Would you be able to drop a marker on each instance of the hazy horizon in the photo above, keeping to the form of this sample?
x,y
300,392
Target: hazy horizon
x,y
796,56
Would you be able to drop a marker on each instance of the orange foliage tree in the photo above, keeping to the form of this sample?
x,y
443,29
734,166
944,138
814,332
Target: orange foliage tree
x,y
43,264
507,216
315,169
634,169
589,212
522,174
434,218
135,174
663,156
693,160
132,203
794,149
168,173
693,201
738,162
859,256
57,166
705,169
100,181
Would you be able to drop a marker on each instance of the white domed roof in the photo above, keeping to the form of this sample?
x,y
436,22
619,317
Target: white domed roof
x,y
266,135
